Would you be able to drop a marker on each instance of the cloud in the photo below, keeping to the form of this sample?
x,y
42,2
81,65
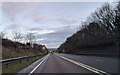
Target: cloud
x,y
54,39
51,23
36,16
67,20
35,29
12,9
41,39
53,45
12,26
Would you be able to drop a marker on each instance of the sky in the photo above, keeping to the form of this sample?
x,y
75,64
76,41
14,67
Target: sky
x,y
50,22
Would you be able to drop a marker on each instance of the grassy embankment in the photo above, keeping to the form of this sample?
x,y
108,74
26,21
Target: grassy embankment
x,y
9,51
12,53
17,66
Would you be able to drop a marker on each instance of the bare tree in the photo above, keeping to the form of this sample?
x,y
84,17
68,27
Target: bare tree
x,y
105,17
102,28
17,37
30,38
2,34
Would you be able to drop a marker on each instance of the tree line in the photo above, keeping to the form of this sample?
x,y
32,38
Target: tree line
x,y
26,42
17,36
101,29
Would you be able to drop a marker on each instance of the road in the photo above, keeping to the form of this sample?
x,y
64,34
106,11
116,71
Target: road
x,y
106,64
64,63
55,64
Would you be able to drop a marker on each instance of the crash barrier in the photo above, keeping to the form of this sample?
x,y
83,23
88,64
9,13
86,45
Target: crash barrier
x,y
19,59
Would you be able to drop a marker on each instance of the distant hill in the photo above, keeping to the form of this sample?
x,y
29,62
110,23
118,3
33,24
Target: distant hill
x,y
53,49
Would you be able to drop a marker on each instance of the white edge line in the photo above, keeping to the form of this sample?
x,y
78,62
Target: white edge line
x,y
38,65
85,66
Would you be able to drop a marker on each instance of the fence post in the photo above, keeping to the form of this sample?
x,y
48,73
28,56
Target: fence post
x,y
27,59
6,66
20,61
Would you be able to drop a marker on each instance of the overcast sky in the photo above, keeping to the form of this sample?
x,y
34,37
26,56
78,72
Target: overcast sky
x,y
51,22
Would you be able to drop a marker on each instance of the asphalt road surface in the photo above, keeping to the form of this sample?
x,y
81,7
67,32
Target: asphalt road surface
x,y
62,63
107,64
55,64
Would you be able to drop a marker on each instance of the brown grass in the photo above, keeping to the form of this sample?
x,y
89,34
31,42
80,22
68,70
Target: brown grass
x,y
12,53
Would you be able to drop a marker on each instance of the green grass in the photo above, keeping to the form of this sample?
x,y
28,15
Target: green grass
x,y
16,66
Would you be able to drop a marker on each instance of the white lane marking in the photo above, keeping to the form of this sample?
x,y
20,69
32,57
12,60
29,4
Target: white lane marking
x,y
38,65
86,66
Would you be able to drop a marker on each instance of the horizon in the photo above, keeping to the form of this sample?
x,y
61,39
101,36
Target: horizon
x,y
50,22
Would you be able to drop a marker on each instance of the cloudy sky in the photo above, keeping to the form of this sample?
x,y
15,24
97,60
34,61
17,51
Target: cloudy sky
x,y
51,22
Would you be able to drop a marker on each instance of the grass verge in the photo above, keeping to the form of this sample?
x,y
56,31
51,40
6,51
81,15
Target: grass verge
x,y
12,53
17,66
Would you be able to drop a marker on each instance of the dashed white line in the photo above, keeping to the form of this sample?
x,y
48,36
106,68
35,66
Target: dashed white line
x,y
38,65
100,72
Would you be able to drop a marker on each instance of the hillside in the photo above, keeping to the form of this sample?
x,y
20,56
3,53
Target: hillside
x,y
99,34
9,50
